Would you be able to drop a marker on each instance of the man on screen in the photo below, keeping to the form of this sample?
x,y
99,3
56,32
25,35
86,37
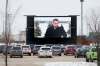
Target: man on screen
x,y
56,30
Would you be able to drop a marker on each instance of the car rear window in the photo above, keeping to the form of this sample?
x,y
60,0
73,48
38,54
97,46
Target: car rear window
x,y
70,47
37,46
16,48
9,47
45,48
94,49
78,46
56,48
25,46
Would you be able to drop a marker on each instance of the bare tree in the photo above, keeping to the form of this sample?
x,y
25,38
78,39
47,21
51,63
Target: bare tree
x,y
93,21
10,19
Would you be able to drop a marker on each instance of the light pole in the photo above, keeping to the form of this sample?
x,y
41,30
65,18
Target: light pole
x,y
81,20
6,31
81,16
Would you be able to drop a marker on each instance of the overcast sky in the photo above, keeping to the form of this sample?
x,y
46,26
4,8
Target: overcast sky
x,y
45,7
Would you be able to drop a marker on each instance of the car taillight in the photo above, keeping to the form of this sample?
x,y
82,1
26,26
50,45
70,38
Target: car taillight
x,y
41,51
50,51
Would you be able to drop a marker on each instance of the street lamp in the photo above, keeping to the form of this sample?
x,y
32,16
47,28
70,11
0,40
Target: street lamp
x,y
6,31
81,16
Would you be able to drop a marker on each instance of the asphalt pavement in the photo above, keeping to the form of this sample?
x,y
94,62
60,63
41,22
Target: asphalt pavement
x,y
35,61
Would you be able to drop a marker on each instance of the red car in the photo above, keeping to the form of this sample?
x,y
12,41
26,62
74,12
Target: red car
x,y
69,49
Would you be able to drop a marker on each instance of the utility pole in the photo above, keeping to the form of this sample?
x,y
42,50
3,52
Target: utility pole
x,y
81,20
81,16
6,31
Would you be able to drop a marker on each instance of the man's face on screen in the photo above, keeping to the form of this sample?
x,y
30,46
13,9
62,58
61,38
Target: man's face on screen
x,y
55,23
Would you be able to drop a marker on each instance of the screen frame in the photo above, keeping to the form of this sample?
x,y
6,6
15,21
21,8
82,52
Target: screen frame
x,y
32,40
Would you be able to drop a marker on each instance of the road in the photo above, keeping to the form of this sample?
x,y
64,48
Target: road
x,y
35,61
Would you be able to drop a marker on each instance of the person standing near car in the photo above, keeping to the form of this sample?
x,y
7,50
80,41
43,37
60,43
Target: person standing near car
x,y
56,30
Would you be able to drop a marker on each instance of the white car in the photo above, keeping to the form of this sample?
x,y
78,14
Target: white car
x,y
45,52
26,49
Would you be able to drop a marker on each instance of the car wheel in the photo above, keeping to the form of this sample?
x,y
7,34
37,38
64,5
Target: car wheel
x,y
33,54
66,54
91,60
29,54
75,55
87,60
84,56
10,56
39,56
50,56
59,54
21,56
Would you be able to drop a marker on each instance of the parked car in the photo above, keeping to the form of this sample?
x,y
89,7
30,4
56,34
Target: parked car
x,y
62,49
49,45
57,50
77,46
8,48
81,52
91,55
18,45
26,49
36,48
31,46
45,52
69,49
1,48
16,51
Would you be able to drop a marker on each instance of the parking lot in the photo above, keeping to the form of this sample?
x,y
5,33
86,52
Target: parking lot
x,y
35,61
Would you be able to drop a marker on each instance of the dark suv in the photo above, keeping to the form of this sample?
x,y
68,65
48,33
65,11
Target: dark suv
x,y
35,49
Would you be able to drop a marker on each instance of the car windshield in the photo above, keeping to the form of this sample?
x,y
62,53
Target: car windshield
x,y
45,48
37,46
94,50
86,47
16,48
70,47
78,46
56,48
25,46
9,47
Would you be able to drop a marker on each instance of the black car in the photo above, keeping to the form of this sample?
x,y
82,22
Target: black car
x,y
1,48
56,50
8,48
35,49
31,46
81,52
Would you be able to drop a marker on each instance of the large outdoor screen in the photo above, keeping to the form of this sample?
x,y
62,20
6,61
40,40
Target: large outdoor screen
x,y
51,29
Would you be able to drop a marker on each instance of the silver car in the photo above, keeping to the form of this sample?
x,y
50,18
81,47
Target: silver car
x,y
57,50
26,49
16,51
45,52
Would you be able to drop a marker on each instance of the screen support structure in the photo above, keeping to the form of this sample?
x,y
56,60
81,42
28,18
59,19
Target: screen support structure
x,y
30,32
